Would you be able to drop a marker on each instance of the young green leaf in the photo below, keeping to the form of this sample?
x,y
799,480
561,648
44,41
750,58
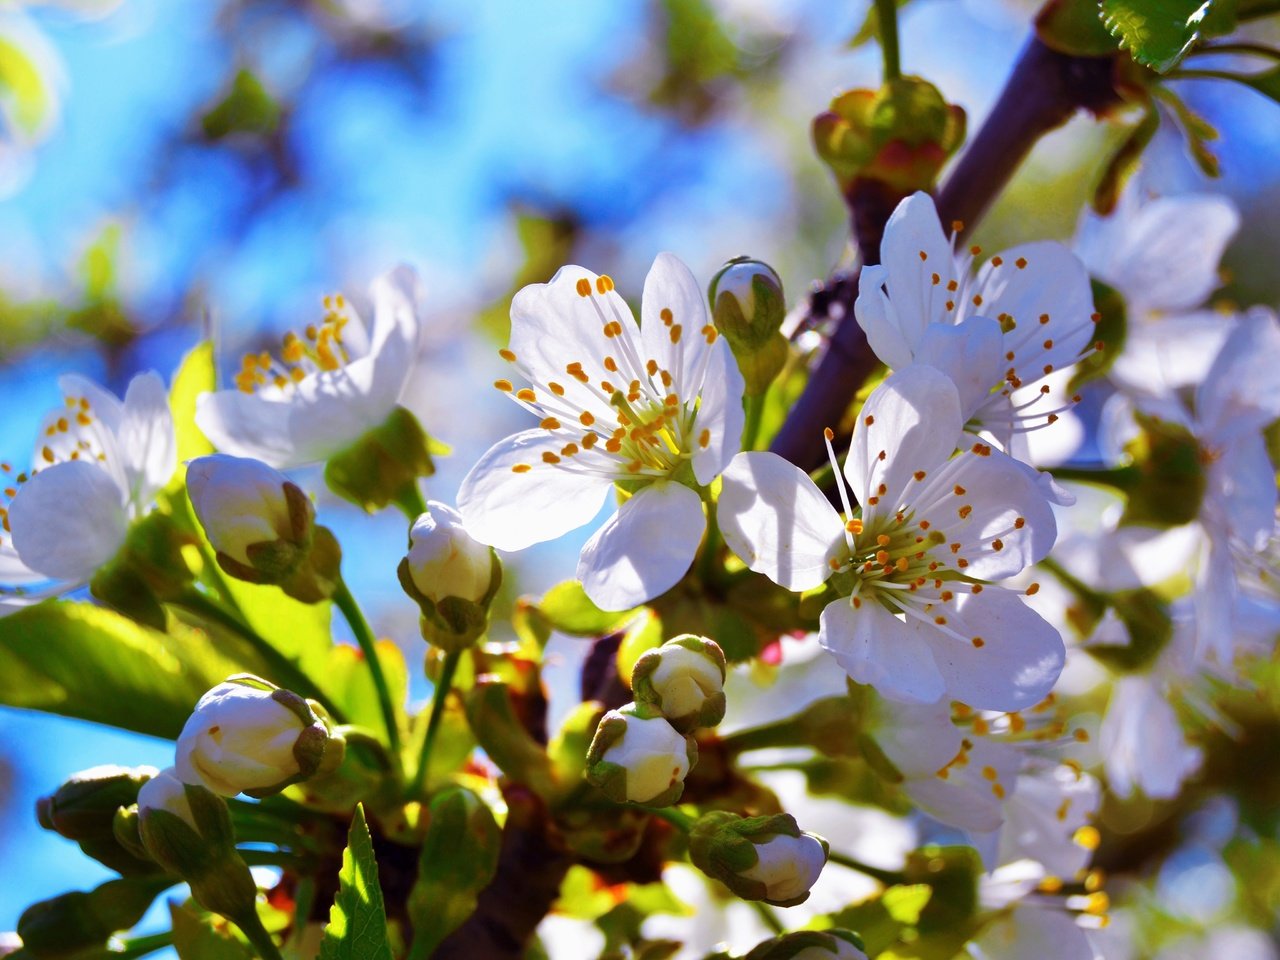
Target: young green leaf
x,y
357,927
1158,33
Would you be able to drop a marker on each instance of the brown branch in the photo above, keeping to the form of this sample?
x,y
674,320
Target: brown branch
x,y
1043,92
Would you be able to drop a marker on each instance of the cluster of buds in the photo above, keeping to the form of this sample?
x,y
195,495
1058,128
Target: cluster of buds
x,y
452,577
84,808
262,526
758,858
748,307
642,752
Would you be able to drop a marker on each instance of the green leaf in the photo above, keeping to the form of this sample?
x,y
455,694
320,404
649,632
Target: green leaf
x,y
570,610
904,903
196,375
1074,27
247,108
1197,130
79,660
196,938
1124,162
357,927
459,858
1158,33
870,26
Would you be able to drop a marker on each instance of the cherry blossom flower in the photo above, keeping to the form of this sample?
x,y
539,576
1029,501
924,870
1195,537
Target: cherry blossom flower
x,y
98,465
915,616
997,333
655,409
328,388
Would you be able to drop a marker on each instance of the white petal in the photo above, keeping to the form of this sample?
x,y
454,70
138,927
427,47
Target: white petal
x,y
670,285
879,320
965,797
998,491
146,443
1243,483
777,520
1142,741
1020,658
875,647
644,549
553,325
397,333
913,230
913,417
510,510
719,412
1054,283
1170,353
1030,931
1241,390
248,425
68,520
103,404
970,353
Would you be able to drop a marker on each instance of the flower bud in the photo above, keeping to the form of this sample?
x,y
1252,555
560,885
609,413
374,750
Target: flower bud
x,y
748,307
248,736
84,809
637,756
758,858
684,680
254,516
80,924
810,945
451,577
187,830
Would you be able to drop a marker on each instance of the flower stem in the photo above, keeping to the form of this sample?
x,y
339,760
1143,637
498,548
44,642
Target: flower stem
x,y
251,925
769,917
710,545
285,671
438,697
673,815
1119,478
887,877
368,646
140,946
409,500
755,412
887,24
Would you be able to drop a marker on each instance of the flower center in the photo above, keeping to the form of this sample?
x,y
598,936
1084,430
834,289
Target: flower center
x,y
619,413
319,348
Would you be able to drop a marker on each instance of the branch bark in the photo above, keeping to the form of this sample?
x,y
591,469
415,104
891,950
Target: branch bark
x,y
1043,92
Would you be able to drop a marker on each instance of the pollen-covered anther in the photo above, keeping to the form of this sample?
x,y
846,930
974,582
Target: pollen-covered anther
x,y
583,286
521,468
527,395
550,423
964,511
549,457
919,475
1033,589
978,642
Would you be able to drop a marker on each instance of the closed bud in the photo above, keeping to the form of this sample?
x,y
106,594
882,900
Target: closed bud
x,y
80,923
187,830
84,807
810,945
248,736
758,858
684,680
748,307
638,756
451,577
250,512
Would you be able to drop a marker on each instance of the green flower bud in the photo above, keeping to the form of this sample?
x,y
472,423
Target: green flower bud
x,y
684,680
758,858
1167,481
249,736
452,577
187,830
810,945
637,756
84,809
69,925
384,465
748,307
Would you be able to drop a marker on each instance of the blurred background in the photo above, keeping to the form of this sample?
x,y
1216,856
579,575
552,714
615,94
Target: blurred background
x,y
170,171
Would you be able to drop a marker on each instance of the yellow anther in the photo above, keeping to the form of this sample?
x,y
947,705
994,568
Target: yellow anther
x,y
521,468
527,395
704,439
583,287
503,385
549,457
550,423
675,333
604,283
507,355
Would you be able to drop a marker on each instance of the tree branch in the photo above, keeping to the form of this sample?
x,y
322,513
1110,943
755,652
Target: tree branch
x,y
1043,92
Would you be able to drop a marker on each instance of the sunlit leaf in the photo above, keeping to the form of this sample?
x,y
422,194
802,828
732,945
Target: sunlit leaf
x,y
357,927
1158,33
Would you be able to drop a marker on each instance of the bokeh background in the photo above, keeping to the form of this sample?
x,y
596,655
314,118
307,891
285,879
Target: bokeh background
x,y
170,171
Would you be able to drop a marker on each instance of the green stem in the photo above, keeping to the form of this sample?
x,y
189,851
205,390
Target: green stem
x,y
783,733
769,917
438,697
285,671
707,565
368,646
251,925
409,500
1243,49
272,858
887,23
140,946
755,413
1073,583
887,877
673,815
